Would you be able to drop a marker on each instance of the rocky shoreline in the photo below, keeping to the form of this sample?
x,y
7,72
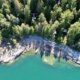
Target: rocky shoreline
x,y
40,46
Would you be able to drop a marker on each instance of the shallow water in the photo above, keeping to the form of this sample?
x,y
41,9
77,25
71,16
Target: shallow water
x,y
32,68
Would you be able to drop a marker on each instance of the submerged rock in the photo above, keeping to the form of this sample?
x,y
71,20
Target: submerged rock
x,y
48,59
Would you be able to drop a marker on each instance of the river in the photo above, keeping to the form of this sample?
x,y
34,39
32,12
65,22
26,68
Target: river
x,y
32,68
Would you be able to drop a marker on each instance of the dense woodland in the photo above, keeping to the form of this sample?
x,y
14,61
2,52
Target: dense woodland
x,y
57,20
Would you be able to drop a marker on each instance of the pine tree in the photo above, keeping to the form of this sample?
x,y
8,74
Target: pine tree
x,y
27,13
40,6
18,7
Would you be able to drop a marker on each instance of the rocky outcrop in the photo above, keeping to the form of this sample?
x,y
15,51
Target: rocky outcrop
x,y
40,46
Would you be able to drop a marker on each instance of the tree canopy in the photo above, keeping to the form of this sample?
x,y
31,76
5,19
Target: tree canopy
x,y
52,19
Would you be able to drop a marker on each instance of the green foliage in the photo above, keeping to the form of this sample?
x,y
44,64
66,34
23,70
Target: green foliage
x,y
50,3
47,12
14,41
20,31
25,29
72,3
0,36
40,7
63,3
65,21
12,19
56,13
27,13
17,31
18,7
74,35
6,8
57,20
3,22
41,18
1,3
52,29
6,32
67,16
68,4
44,30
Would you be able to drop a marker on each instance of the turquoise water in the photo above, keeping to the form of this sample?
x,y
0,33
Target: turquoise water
x,y
32,68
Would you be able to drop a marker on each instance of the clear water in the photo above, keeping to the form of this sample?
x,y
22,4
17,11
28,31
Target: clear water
x,y
32,68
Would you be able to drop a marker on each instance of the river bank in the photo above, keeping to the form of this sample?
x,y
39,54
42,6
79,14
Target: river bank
x,y
40,46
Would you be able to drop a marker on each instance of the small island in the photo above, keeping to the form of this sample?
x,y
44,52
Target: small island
x,y
49,28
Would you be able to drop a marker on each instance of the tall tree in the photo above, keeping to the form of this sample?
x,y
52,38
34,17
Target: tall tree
x,y
18,7
41,18
40,6
74,35
27,13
